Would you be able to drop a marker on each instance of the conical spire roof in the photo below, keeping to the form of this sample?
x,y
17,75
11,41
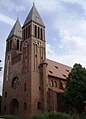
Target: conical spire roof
x,y
16,30
33,16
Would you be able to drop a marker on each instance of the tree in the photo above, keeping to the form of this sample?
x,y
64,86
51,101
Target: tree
x,y
75,93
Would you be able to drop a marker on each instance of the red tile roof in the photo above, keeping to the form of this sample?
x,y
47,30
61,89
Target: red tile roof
x,y
57,69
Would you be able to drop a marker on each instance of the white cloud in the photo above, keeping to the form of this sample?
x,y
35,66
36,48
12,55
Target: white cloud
x,y
19,8
6,19
12,5
74,35
46,5
75,44
51,54
72,41
70,58
80,2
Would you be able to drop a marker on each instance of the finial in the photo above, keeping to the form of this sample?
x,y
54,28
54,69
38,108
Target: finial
x,y
17,17
33,2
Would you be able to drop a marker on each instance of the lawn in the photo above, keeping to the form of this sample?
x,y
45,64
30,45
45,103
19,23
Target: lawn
x,y
49,115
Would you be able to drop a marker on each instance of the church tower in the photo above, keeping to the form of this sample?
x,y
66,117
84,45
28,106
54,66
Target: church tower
x,y
13,47
34,54
12,62
25,84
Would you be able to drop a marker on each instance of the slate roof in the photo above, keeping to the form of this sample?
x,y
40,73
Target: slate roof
x,y
57,69
16,30
33,16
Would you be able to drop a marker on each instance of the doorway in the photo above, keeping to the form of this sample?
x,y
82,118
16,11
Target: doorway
x,y
14,107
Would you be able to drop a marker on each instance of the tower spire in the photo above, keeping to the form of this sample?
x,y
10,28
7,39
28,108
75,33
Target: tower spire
x,y
16,30
33,16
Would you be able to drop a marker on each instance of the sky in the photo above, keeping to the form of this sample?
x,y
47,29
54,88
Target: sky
x,y
65,22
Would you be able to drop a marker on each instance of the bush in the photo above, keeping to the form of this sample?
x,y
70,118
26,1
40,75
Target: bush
x,y
58,116
51,115
83,116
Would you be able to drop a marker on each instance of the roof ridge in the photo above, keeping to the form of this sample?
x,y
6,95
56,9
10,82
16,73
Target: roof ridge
x,y
59,63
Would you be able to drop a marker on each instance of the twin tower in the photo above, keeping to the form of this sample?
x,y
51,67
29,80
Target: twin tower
x,y
25,82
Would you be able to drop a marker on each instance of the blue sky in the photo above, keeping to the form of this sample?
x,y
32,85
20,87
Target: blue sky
x,y
65,22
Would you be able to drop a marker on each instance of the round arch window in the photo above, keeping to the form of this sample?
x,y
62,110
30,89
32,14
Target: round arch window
x,y
15,82
51,83
55,83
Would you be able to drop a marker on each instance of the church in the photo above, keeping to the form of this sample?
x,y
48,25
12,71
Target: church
x,y
32,84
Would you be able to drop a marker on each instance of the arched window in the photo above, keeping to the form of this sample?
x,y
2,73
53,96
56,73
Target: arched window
x,y
17,44
51,83
25,106
39,105
35,31
41,35
55,84
38,32
15,82
29,30
24,34
10,47
24,87
14,107
5,94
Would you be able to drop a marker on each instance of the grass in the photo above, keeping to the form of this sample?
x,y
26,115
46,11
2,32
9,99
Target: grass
x,y
48,115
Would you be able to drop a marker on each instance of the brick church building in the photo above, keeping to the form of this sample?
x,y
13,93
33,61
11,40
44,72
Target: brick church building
x,y
32,83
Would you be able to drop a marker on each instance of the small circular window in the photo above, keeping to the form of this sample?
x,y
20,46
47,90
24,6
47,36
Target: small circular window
x,y
15,82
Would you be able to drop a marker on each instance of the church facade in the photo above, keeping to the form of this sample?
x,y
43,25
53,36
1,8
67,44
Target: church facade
x,y
32,84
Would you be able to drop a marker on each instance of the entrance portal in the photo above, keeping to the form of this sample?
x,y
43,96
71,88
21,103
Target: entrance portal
x,y
14,107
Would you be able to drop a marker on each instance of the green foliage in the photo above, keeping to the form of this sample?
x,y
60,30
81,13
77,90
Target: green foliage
x,y
83,116
52,115
37,116
75,93
57,115
49,115
9,117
